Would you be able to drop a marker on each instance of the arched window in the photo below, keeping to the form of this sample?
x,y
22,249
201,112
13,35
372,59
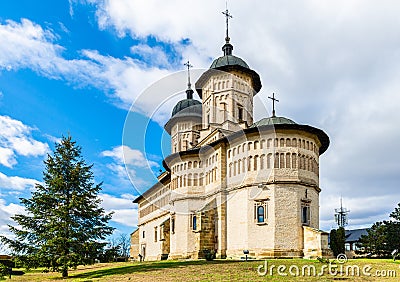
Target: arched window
x,y
234,168
288,143
294,161
234,152
194,222
189,165
195,164
256,145
249,163
190,179
269,143
269,157
244,164
195,179
282,142
276,161
255,162
230,170
288,160
294,142
260,214
282,161
239,165
262,144
249,146
201,179
262,161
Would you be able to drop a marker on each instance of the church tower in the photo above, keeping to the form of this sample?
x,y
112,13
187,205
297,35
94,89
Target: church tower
x,y
227,90
185,123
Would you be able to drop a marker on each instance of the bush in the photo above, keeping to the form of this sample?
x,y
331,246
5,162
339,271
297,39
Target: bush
x,y
3,270
209,255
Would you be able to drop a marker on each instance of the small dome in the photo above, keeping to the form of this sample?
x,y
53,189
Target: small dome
x,y
273,121
187,107
228,60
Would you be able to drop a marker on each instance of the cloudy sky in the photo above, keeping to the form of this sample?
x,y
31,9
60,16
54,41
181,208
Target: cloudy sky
x,y
76,67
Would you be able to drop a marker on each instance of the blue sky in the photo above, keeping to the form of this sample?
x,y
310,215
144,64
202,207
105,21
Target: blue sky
x,y
76,67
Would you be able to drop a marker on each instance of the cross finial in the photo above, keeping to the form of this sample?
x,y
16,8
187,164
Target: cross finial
x,y
227,16
189,91
188,65
273,103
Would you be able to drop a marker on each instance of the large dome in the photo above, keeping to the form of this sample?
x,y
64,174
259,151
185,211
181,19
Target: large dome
x,y
273,121
187,107
228,60
228,63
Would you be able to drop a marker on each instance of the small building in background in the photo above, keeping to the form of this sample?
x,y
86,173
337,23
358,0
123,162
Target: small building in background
x,y
352,238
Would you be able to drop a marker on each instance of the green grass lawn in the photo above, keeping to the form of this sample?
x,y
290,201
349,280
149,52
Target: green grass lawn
x,y
224,270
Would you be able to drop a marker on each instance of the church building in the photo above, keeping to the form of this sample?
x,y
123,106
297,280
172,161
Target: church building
x,y
231,184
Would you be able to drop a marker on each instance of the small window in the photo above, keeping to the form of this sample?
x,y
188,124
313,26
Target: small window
x,y
155,234
260,211
240,113
305,215
260,214
193,222
173,225
143,234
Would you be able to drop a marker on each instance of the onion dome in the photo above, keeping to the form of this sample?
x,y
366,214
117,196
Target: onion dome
x,y
187,107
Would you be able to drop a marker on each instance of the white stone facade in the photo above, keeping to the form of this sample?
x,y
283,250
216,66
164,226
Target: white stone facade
x,y
231,186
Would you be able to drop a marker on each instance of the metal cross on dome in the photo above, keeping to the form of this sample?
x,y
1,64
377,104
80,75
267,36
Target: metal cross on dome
x,y
273,103
227,16
188,69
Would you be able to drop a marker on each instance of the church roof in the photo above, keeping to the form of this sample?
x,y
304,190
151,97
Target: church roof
x,y
285,123
273,121
190,106
228,60
355,235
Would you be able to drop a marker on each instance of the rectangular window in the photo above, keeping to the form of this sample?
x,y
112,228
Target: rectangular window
x,y
305,215
155,234
240,113
193,222
173,225
162,232
143,234
260,212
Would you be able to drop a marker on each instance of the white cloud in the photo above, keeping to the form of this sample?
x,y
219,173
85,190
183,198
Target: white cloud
x,y
129,156
124,210
28,45
16,139
7,211
155,54
16,182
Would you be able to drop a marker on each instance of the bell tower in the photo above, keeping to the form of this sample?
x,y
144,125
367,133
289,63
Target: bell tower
x,y
227,89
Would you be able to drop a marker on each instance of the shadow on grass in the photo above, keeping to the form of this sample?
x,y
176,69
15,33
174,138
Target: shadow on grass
x,y
145,267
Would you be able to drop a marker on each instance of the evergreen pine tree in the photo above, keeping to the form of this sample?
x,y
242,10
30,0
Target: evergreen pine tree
x,y
64,223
